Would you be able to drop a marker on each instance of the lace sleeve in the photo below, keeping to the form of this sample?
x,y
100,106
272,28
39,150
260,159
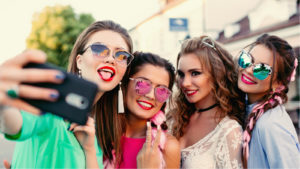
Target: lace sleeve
x,y
229,149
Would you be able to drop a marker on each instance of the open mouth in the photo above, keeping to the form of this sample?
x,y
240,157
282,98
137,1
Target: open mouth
x,y
247,80
190,92
106,73
145,105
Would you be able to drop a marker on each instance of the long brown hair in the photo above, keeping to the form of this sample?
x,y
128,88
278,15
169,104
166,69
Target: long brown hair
x,y
284,58
220,65
140,60
105,110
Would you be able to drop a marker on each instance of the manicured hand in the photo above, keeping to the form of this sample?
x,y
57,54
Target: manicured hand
x,y
85,134
149,156
12,75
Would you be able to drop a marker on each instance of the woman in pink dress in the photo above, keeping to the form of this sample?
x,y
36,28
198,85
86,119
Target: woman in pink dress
x,y
144,141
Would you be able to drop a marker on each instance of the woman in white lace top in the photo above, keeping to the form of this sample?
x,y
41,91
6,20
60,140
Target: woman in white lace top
x,y
208,107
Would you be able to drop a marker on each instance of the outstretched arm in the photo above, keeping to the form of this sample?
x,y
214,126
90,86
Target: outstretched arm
x,y
12,75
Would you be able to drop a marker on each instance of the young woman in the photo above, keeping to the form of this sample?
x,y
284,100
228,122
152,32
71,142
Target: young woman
x,y
265,69
208,112
101,54
147,86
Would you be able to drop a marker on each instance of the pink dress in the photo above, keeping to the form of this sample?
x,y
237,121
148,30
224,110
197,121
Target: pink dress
x,y
131,148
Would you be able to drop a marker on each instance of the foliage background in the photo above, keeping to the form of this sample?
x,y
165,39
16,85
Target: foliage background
x,y
54,31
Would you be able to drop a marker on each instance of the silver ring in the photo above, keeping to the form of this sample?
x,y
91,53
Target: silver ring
x,y
13,92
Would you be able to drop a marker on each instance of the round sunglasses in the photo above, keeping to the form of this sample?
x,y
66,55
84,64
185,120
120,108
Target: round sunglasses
x,y
260,70
144,86
101,51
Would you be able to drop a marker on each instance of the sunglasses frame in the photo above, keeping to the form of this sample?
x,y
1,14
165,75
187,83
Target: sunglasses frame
x,y
269,68
129,59
140,78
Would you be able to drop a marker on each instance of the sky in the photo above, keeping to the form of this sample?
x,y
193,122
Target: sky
x,y
16,17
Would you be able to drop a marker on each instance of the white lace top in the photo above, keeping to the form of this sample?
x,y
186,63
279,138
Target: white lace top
x,y
221,148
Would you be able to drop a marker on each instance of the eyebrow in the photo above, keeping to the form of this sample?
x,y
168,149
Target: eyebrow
x,y
191,70
253,60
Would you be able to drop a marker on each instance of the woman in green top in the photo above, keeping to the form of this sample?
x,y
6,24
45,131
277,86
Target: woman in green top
x,y
101,54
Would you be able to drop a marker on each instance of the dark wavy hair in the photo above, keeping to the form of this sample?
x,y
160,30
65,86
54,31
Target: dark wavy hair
x,y
283,64
220,65
140,60
105,110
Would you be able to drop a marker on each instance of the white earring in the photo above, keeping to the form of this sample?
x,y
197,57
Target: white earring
x,y
120,100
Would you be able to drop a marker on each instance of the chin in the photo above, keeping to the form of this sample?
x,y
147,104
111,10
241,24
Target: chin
x,y
191,100
246,89
105,88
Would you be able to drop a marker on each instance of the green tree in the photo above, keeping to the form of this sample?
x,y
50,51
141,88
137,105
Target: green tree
x,y
54,30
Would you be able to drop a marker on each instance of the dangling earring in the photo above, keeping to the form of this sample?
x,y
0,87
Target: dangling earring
x,y
79,73
120,100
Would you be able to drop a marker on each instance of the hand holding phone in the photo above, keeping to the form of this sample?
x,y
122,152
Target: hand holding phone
x,y
76,96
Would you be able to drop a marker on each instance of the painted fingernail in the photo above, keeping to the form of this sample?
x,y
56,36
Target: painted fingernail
x,y
43,112
54,95
60,76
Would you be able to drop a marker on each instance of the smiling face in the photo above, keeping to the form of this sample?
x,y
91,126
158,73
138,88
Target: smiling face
x,y
105,72
146,106
254,87
194,81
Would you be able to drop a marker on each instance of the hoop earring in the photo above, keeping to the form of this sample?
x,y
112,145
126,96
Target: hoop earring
x,y
120,100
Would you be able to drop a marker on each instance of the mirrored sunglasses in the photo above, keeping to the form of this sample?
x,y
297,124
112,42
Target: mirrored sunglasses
x,y
261,71
101,51
144,86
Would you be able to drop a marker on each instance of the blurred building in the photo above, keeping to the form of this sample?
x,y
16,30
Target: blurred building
x,y
259,21
181,19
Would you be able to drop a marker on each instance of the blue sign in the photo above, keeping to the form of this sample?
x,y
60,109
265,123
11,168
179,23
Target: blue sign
x,y
178,24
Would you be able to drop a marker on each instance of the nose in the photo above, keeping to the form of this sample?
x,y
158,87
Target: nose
x,y
249,69
151,94
110,58
185,81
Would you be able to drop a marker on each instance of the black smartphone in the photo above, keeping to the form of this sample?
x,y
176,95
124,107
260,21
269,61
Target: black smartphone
x,y
76,96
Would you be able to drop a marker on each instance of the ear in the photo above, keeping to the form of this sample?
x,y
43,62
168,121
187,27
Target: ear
x,y
78,61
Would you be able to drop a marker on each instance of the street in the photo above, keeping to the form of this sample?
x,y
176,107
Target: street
x,y
6,150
